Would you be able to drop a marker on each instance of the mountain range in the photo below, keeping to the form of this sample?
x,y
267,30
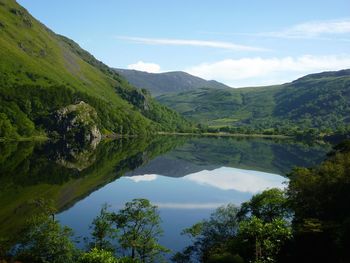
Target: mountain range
x,y
48,81
168,82
318,101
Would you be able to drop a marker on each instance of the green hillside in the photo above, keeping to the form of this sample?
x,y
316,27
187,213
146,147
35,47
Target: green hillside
x,y
168,82
320,101
41,72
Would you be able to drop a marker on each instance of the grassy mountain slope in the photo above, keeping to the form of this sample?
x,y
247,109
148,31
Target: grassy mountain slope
x,y
168,82
41,72
319,101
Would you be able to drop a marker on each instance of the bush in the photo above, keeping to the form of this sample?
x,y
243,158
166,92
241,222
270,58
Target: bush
x,y
98,256
225,258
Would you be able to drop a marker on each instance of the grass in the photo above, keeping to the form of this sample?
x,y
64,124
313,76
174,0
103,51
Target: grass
x,y
33,57
320,101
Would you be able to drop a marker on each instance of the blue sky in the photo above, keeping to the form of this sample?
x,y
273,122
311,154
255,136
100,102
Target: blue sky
x,y
240,43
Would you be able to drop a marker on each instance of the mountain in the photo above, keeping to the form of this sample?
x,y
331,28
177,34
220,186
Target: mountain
x,y
169,82
200,153
42,72
320,101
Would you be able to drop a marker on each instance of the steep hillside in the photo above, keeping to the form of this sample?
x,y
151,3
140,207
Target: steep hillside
x,y
169,82
41,72
319,101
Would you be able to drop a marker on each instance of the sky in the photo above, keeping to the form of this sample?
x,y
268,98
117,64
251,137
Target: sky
x,y
238,42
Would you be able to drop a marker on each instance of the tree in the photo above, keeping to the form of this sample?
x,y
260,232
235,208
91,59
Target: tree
x,y
45,240
320,199
267,206
6,128
264,238
139,225
98,256
212,236
102,231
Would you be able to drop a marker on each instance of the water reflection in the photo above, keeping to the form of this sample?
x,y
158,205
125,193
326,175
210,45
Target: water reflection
x,y
143,178
179,174
225,178
54,171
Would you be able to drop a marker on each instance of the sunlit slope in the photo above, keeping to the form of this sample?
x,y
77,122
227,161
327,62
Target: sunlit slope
x,y
41,71
314,101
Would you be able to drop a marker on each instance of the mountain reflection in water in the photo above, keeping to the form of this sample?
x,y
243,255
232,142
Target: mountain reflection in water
x,y
192,175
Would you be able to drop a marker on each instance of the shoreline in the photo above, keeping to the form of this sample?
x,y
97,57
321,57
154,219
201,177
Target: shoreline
x,y
118,136
25,139
224,134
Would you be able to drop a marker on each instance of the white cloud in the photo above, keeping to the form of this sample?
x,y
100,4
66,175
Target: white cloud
x,y
266,71
191,42
189,205
314,29
144,66
237,179
143,178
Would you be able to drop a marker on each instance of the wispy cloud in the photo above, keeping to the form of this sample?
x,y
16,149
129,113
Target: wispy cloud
x,y
314,29
336,29
266,71
191,42
189,205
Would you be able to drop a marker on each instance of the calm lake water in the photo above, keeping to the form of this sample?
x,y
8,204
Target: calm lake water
x,y
187,178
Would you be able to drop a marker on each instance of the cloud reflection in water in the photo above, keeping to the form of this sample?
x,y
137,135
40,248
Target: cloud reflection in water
x,y
240,180
226,178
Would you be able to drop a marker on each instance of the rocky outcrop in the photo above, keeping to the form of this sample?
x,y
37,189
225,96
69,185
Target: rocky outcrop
x,y
76,158
78,122
138,98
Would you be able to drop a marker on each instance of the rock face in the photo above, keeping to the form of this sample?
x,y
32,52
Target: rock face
x,y
78,122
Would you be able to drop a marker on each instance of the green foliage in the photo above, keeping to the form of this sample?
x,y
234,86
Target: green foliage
x,y
210,236
136,230
96,255
264,240
6,128
267,206
319,197
238,235
102,231
308,105
41,72
44,240
311,223
225,258
30,170
139,225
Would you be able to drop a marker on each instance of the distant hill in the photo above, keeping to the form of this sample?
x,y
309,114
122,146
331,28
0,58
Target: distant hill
x,y
319,101
169,82
42,72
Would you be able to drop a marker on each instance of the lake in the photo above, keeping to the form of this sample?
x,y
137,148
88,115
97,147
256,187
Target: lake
x,y
186,177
